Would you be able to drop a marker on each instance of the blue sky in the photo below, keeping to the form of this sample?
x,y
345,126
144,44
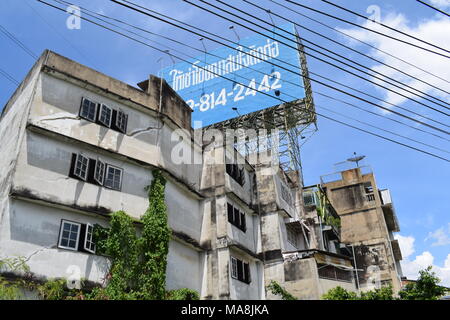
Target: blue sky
x,y
418,182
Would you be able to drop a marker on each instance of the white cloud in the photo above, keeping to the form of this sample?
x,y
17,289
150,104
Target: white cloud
x,y
433,30
441,236
441,3
412,266
406,245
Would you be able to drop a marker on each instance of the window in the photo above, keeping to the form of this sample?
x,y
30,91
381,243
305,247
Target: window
x,y
234,273
81,167
105,115
121,121
286,195
240,270
76,236
236,217
89,245
99,173
88,109
69,235
368,189
334,273
237,174
95,171
292,237
113,178
309,199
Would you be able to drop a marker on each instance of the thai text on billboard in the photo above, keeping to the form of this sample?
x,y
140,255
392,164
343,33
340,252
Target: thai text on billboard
x,y
255,65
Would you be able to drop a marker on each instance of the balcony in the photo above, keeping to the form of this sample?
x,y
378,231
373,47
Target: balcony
x,y
388,211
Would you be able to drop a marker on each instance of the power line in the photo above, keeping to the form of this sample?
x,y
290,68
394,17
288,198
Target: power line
x,y
320,59
94,14
7,76
56,31
289,70
382,129
17,42
160,50
434,8
359,40
347,47
382,137
178,24
342,57
386,26
368,29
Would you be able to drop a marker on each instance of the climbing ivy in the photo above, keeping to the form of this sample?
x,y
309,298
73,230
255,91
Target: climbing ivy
x,y
138,263
154,242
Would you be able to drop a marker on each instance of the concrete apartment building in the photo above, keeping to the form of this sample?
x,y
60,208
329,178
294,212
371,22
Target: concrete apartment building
x,y
78,145
368,222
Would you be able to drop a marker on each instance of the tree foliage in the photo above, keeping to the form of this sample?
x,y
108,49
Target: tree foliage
x,y
339,293
278,290
425,288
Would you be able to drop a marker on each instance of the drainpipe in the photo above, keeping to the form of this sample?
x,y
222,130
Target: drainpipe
x,y
356,268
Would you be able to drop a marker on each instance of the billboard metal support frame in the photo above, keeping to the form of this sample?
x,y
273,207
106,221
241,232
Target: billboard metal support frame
x,y
295,122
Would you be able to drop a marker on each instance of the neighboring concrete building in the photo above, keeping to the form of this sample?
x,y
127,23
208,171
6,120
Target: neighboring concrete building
x,y
368,221
78,145
313,258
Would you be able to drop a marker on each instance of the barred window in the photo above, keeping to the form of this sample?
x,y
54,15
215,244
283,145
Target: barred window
x,y
88,109
234,273
113,178
292,237
286,195
309,199
105,115
81,167
334,273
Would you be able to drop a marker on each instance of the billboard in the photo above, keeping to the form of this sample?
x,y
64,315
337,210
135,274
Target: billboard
x,y
252,67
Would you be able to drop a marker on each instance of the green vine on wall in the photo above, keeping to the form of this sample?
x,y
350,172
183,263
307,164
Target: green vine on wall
x,y
138,263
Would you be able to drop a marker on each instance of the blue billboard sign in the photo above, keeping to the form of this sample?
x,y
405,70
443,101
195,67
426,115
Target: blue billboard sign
x,y
252,68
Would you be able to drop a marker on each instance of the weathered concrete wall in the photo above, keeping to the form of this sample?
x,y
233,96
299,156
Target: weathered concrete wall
x,y
185,267
31,230
12,131
148,139
302,279
361,226
43,172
